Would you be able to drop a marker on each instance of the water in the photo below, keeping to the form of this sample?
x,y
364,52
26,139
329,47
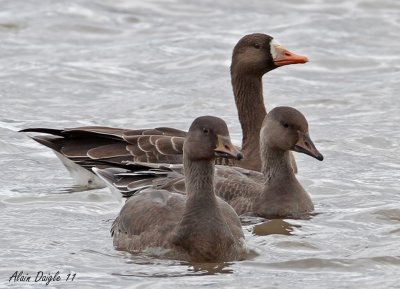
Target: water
x,y
146,63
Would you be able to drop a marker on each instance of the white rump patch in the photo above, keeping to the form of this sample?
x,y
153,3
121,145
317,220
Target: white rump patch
x,y
81,176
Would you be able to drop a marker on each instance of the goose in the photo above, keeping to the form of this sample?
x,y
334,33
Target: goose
x,y
197,226
274,192
253,56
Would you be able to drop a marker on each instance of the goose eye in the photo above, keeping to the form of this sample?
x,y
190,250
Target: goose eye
x,y
257,46
285,124
206,131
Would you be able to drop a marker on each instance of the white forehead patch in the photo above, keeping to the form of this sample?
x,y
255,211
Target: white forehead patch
x,y
273,44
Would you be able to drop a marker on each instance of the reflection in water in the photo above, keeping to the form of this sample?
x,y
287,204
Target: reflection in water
x,y
389,214
274,226
10,26
158,265
248,219
171,268
211,268
74,189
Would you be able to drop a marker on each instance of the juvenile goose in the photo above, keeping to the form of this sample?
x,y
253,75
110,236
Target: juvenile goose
x,y
273,192
198,226
253,56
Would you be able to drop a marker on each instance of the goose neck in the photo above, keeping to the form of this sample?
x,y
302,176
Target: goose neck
x,y
276,165
199,179
249,100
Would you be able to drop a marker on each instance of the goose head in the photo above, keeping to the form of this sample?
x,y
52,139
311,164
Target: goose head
x,y
258,53
286,128
208,138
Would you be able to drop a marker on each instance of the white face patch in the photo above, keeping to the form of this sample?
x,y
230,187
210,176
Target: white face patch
x,y
273,45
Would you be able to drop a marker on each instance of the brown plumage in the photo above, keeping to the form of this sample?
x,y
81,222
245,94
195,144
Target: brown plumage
x,y
197,226
253,56
273,192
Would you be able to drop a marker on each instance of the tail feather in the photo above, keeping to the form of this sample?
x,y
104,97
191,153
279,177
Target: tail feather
x,y
129,182
58,132
49,141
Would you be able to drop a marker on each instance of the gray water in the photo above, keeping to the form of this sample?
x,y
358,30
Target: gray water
x,y
141,64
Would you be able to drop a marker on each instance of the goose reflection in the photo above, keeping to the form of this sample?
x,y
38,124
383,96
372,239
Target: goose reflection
x,y
274,227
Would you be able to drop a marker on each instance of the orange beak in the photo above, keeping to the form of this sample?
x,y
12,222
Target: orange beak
x,y
285,57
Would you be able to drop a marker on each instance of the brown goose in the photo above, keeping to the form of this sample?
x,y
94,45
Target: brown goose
x,y
198,226
273,192
253,56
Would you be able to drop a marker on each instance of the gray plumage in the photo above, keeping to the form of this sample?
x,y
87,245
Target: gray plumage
x,y
274,192
197,226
